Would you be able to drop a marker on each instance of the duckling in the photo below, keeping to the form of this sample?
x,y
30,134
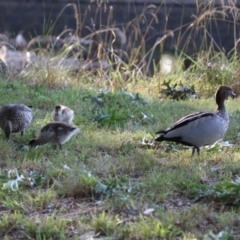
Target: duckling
x,y
56,132
15,118
62,113
20,41
200,129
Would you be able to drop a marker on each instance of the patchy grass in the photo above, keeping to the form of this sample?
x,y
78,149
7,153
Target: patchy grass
x,y
106,181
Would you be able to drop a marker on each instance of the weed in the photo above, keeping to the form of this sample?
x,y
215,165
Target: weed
x,y
79,185
10,223
226,191
174,93
105,224
152,228
39,199
45,228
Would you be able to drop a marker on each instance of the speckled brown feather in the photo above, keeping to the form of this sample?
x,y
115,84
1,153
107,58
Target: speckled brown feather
x,y
15,118
56,132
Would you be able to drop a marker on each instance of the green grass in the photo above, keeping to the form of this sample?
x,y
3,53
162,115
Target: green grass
x,y
105,180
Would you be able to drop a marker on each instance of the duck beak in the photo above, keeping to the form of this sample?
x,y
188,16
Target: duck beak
x,y
233,94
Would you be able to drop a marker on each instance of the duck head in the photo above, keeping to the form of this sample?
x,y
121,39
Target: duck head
x,y
222,94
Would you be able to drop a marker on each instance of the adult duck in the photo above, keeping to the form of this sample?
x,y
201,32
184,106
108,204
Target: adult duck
x,y
200,129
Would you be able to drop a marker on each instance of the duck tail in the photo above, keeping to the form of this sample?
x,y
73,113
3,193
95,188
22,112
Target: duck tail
x,y
75,130
160,138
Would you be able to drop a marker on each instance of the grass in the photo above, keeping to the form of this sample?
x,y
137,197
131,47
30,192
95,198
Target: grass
x,y
105,181
109,181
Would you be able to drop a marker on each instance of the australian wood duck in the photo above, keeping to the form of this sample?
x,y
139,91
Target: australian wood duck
x,y
200,129
62,114
15,118
56,132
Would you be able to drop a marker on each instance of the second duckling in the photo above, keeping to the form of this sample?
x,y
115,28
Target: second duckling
x,y
56,132
62,113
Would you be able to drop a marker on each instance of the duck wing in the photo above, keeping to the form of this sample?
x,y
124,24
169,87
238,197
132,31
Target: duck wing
x,y
184,120
197,130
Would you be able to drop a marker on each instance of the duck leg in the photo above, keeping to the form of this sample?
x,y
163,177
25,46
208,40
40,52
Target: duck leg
x,y
22,132
193,150
7,129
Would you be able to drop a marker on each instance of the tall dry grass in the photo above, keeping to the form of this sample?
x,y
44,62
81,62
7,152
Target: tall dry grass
x,y
126,48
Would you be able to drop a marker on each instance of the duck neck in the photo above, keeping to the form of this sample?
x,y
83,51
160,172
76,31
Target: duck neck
x,y
220,103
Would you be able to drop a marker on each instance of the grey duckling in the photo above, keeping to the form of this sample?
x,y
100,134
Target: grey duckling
x,y
15,118
200,129
56,132
62,113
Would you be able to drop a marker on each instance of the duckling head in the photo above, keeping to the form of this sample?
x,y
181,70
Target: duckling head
x,y
58,110
33,143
